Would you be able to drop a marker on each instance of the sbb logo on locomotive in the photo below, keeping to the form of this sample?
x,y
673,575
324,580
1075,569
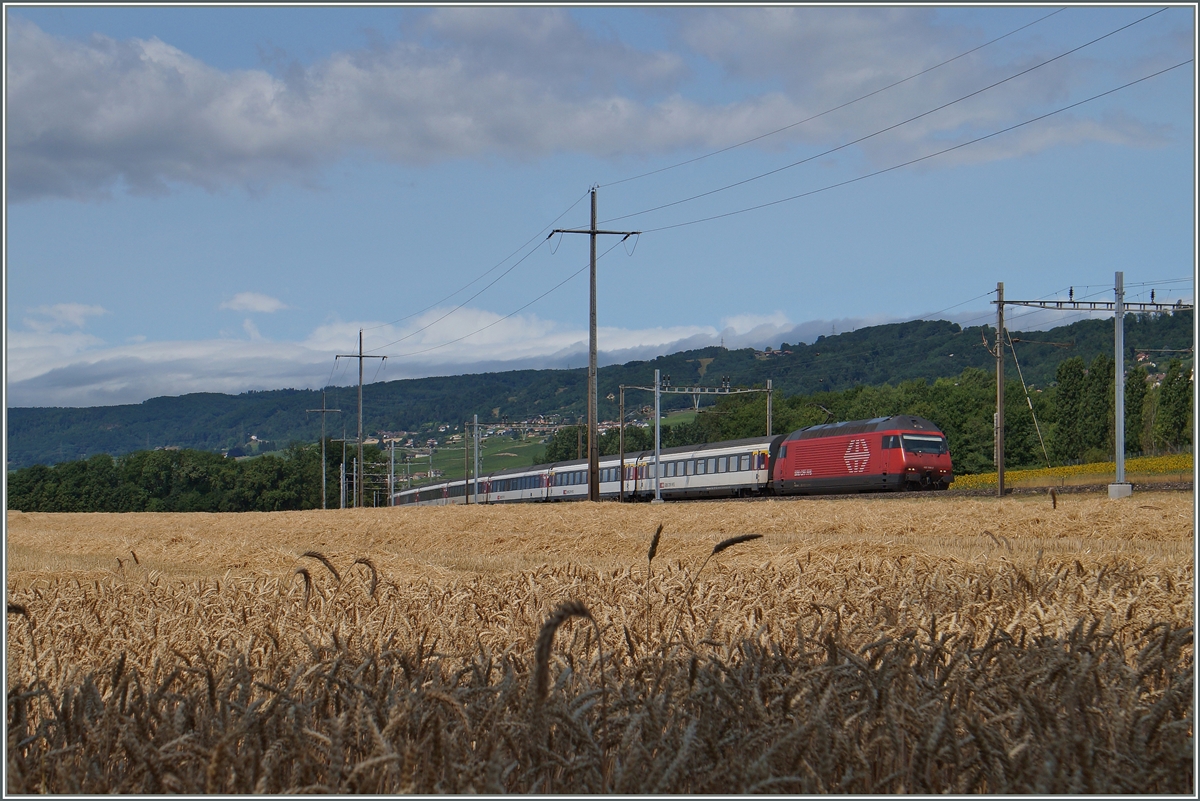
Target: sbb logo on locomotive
x,y
857,455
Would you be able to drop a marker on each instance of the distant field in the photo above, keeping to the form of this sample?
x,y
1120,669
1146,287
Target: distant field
x,y
861,644
675,418
1143,469
495,453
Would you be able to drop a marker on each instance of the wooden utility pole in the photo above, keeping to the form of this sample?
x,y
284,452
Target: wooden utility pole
x,y
593,401
359,466
323,412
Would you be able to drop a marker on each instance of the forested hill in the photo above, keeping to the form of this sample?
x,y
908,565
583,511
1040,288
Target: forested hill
x,y
872,356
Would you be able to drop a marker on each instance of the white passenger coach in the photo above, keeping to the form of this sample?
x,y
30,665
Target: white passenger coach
x,y
739,468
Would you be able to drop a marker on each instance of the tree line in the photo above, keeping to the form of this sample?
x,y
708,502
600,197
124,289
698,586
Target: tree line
x,y
1074,423
186,480
1069,423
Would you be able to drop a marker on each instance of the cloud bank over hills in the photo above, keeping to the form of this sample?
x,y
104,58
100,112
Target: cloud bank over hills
x,y
73,368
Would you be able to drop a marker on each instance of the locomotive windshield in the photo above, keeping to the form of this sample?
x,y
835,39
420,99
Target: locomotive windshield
x,y
916,443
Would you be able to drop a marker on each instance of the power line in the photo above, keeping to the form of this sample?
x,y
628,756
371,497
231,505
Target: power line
x,y
912,161
883,130
956,305
483,275
412,334
835,108
510,314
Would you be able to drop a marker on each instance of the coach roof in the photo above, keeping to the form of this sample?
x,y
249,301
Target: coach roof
x,y
900,421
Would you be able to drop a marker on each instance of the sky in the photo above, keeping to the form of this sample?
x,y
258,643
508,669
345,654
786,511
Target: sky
x,y
217,199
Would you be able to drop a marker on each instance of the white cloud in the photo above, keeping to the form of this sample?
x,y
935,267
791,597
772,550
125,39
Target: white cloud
x,y
62,315
87,116
251,330
254,302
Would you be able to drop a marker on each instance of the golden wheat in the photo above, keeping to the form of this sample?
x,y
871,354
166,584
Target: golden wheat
x,y
857,645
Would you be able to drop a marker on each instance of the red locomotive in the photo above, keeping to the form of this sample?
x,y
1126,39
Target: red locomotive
x,y
885,453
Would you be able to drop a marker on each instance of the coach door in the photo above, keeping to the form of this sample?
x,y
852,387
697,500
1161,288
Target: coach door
x,y
892,461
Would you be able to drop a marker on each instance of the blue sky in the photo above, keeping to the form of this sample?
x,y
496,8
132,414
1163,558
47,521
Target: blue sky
x,y
217,199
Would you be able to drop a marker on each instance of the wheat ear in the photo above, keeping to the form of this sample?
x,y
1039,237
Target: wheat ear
x,y
320,557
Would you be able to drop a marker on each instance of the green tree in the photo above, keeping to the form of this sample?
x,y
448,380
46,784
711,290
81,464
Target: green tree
x,y
1135,401
565,445
1172,424
1066,436
1096,413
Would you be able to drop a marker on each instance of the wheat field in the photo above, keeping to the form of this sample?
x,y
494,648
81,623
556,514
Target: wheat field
x,y
864,645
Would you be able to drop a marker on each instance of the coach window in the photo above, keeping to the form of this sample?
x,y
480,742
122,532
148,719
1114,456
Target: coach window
x,y
691,466
745,461
699,467
712,465
722,464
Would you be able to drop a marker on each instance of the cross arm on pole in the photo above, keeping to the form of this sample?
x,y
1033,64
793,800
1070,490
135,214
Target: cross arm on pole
x,y
1096,305
625,234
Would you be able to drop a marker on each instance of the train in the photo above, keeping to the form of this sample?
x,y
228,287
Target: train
x,y
901,452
